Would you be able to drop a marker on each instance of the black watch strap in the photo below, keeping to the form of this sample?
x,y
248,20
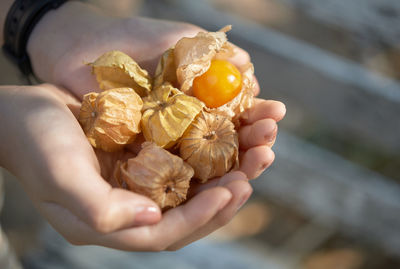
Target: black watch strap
x,y
21,19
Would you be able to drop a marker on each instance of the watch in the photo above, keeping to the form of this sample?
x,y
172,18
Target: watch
x,y
20,21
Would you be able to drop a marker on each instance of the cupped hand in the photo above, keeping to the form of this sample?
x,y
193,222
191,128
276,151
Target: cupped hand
x,y
93,33
85,208
67,180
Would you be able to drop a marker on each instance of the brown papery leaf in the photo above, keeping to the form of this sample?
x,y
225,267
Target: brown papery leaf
x,y
115,69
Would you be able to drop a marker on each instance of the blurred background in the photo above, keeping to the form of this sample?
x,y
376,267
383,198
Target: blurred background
x,y
332,197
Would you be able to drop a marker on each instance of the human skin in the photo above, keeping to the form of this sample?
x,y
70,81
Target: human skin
x,y
67,180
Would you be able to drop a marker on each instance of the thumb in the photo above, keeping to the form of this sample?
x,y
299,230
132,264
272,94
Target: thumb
x,y
81,189
120,209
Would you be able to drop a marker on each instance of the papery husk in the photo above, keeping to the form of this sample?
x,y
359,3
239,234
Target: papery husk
x,y
115,69
210,145
157,174
167,113
111,119
191,57
166,70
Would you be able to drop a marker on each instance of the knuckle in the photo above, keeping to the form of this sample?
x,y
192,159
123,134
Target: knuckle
x,y
152,242
100,222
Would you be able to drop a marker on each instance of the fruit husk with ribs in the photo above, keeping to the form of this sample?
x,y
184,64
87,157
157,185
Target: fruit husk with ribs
x,y
210,146
111,119
167,113
157,174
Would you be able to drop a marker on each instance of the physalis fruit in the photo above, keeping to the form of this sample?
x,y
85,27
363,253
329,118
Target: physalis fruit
x,y
220,84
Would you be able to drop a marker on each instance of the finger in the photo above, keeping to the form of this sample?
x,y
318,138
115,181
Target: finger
x,y
256,86
176,224
241,191
264,109
195,188
255,160
65,96
261,132
73,228
240,58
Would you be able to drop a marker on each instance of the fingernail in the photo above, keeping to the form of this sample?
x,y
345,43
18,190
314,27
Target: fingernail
x,y
243,200
146,215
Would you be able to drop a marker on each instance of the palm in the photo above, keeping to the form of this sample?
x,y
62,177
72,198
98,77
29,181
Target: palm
x,y
71,73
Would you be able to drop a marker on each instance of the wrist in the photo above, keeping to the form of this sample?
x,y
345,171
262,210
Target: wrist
x,y
57,32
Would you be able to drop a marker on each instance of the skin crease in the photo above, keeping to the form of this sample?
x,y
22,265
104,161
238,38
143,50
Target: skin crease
x,y
66,178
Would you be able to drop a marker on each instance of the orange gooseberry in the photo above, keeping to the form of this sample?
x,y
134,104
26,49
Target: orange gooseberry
x,y
220,84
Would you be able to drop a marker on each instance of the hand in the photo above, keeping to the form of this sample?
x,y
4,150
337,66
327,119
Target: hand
x,y
213,204
47,150
58,57
93,33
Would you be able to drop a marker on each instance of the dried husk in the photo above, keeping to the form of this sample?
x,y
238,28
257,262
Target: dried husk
x,y
115,69
166,70
111,119
210,146
157,174
191,57
167,113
